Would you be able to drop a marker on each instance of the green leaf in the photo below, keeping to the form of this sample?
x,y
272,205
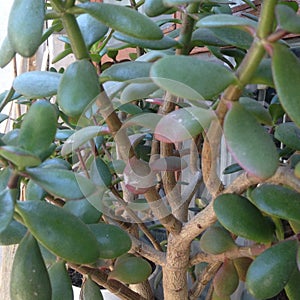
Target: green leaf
x,y
136,71
112,240
164,43
256,108
34,191
287,18
137,91
225,20
123,19
232,169
183,124
19,157
7,52
25,26
78,88
38,128
62,183
288,134
59,231
278,201
178,2
61,283
29,277
12,234
146,120
37,84
263,74
205,36
84,210
7,205
292,288
242,218
100,173
287,82
271,270
82,136
154,8
190,77
169,163
247,140
90,290
91,29
131,270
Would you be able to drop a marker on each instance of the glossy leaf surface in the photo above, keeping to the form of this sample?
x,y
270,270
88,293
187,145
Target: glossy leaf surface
x,y
123,19
287,18
183,124
7,204
189,77
271,270
69,237
78,88
61,284
112,240
131,269
25,26
248,142
154,8
136,71
29,276
13,233
287,83
292,288
37,84
38,128
242,218
278,201
19,157
62,183
136,91
100,173
288,134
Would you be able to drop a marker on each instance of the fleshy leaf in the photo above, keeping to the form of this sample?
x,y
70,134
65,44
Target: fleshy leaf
x,y
137,91
191,78
90,290
287,82
170,163
164,43
271,270
6,52
19,157
278,201
123,19
287,18
13,233
136,71
241,217
62,183
225,20
183,124
82,136
288,134
263,74
251,146
59,231
7,204
37,84
91,29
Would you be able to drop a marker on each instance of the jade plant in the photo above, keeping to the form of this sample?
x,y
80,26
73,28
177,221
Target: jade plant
x,y
113,168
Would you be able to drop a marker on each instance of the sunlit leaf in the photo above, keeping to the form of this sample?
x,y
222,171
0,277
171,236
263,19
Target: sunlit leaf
x,y
7,52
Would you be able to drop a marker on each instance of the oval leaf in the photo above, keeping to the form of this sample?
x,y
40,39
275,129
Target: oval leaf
x,y
190,77
61,283
12,234
242,218
59,231
7,52
278,201
25,26
137,91
112,240
271,270
287,18
91,29
100,173
91,290
29,276
7,204
123,19
37,84
154,8
288,134
131,270
78,88
183,124
251,146
287,83
19,157
62,183
170,163
38,128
